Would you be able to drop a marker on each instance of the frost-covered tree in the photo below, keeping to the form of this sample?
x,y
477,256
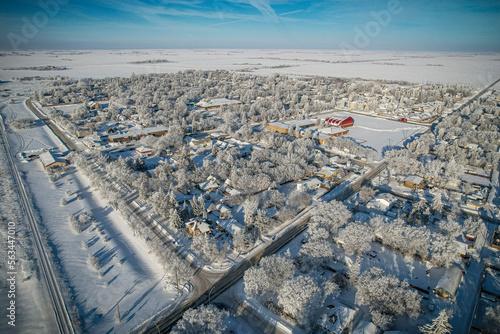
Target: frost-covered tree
x,y
386,296
242,242
332,215
93,262
209,249
250,207
300,297
204,319
261,281
437,203
443,250
174,219
355,238
493,319
314,254
439,325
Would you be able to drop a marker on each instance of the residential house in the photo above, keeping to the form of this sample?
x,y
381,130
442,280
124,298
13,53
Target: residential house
x,y
223,211
94,105
336,319
327,172
230,226
381,204
414,182
197,227
209,186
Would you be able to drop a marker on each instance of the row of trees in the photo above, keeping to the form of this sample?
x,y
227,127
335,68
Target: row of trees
x,y
176,269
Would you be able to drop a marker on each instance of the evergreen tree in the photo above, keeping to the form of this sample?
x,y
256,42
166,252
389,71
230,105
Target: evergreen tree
x,y
439,325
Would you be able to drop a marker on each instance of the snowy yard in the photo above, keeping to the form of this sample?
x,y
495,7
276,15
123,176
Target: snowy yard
x,y
377,133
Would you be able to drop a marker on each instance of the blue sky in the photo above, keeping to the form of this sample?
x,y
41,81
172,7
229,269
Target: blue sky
x,y
427,25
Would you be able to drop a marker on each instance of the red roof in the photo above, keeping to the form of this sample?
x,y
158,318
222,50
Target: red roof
x,y
339,121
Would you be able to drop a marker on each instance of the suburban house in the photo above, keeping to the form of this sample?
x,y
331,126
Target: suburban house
x,y
381,204
49,161
217,104
449,282
327,172
223,211
196,227
144,151
94,105
201,140
414,181
138,133
337,318
209,185
230,226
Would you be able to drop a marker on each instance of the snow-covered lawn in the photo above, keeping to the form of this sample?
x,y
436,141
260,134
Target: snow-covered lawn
x,y
377,133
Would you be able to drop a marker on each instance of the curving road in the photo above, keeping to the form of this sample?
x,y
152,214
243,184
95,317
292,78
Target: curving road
x,y
59,306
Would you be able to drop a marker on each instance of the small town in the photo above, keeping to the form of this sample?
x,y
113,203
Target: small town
x,y
250,166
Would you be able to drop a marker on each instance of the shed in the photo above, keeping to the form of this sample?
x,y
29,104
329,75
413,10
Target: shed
x,y
449,282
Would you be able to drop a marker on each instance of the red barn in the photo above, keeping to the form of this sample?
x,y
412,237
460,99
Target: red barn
x,y
342,122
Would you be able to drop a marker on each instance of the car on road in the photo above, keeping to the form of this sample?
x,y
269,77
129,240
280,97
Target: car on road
x,y
402,119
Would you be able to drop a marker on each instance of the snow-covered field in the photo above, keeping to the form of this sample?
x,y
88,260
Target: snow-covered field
x,y
378,133
477,69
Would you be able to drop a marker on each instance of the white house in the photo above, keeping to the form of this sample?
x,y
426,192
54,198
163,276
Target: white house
x,y
231,226
381,204
208,186
223,211
336,319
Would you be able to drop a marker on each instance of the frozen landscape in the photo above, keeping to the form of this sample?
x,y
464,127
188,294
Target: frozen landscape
x,y
248,191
